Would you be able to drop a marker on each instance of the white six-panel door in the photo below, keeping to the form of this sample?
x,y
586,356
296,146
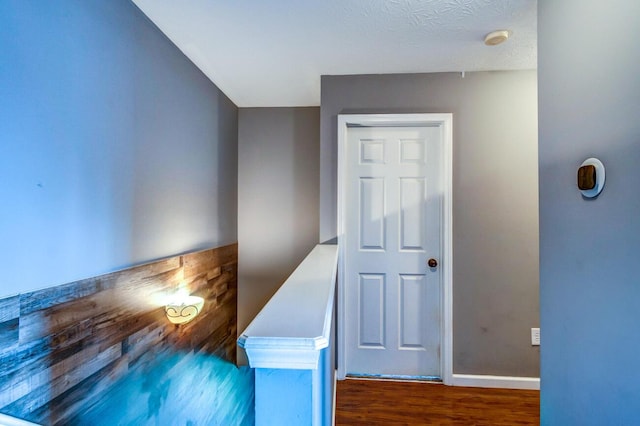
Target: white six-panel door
x,y
392,213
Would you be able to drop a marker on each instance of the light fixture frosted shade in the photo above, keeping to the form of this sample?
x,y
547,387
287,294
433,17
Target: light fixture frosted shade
x,y
183,311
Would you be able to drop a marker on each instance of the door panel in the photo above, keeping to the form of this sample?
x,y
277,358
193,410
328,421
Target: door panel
x,y
412,307
371,151
412,218
392,216
372,223
372,307
412,151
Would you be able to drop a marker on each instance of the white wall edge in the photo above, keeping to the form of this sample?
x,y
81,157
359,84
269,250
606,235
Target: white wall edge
x,y
447,249
341,339
503,382
335,393
295,325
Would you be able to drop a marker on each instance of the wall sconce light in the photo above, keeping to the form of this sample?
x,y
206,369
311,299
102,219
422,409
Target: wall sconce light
x,y
184,309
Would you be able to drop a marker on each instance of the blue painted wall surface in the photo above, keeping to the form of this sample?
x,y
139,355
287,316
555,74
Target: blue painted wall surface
x,y
589,105
283,397
115,148
296,397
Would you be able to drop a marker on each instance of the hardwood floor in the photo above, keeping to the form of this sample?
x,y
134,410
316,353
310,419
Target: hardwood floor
x,y
372,402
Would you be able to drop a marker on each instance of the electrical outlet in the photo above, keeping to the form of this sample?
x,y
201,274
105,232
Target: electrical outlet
x,y
535,337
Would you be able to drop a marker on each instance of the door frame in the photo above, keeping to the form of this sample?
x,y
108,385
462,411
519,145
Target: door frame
x,y
445,121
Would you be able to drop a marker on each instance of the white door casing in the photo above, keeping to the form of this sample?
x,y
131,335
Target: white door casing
x,y
394,200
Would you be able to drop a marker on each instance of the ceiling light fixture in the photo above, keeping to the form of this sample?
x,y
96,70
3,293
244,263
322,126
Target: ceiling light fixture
x,y
496,37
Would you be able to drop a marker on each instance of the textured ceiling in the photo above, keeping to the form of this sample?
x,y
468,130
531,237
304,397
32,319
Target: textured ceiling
x,y
272,53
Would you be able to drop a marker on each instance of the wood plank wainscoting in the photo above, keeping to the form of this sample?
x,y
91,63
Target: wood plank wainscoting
x,y
373,402
63,346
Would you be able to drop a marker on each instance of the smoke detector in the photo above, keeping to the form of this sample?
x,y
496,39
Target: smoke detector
x,y
496,37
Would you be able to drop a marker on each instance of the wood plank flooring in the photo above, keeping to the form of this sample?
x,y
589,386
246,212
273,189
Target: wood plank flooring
x,y
373,402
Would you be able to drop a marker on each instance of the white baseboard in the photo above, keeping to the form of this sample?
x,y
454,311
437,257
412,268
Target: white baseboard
x,y
506,382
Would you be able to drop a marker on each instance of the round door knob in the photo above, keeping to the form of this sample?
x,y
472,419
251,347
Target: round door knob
x,y
432,263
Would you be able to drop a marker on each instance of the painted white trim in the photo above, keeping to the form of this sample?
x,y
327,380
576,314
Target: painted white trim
x,y
341,339
279,354
372,120
295,325
447,250
504,382
335,393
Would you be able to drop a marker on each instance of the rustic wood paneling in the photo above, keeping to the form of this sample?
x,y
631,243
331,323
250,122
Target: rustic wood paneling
x,y
9,332
62,347
9,319
9,308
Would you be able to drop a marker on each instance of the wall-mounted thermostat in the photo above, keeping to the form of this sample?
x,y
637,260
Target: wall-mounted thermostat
x,y
591,177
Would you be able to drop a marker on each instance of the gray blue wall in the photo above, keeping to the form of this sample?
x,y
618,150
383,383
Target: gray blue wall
x,y
589,105
495,200
116,149
278,194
